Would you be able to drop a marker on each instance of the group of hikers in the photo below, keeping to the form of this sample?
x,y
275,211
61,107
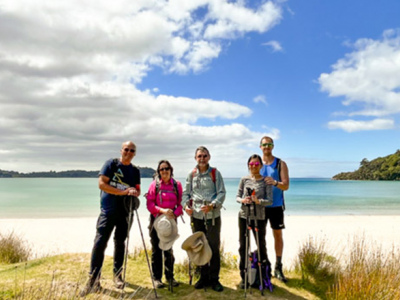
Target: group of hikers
x,y
260,194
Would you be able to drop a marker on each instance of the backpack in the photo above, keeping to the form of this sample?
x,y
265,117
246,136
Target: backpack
x,y
175,188
212,174
254,272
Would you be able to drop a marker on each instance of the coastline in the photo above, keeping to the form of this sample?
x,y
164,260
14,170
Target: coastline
x,y
76,235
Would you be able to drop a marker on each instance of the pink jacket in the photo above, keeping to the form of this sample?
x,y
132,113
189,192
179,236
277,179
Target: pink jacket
x,y
166,198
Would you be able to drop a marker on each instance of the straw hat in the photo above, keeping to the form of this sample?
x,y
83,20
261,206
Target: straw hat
x,y
167,231
197,248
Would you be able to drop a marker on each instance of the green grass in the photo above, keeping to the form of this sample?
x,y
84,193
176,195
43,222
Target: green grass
x,y
365,273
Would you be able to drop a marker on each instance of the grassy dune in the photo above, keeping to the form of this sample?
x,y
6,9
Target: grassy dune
x,y
364,273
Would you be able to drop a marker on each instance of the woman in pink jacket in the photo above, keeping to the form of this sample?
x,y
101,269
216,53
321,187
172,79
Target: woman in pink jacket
x,y
164,203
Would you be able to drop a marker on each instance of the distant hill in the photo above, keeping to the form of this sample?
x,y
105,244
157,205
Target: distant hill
x,y
144,172
381,168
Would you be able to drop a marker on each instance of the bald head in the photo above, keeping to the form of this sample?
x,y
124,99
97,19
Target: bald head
x,y
128,144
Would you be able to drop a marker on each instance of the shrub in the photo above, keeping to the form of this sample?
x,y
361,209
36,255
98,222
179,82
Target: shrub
x,y
314,262
13,249
368,274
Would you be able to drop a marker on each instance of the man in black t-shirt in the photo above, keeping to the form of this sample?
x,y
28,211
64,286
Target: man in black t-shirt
x,y
118,178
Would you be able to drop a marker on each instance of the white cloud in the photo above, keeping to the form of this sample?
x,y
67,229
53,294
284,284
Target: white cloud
x,y
353,125
275,46
260,99
69,73
368,77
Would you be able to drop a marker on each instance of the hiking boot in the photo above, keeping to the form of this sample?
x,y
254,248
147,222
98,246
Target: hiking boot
x,y
242,284
202,283
158,284
118,282
174,282
92,286
279,273
217,286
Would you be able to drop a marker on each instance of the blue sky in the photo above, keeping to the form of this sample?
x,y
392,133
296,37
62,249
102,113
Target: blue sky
x,y
321,77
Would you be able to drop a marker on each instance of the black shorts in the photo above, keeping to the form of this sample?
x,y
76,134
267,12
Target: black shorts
x,y
275,216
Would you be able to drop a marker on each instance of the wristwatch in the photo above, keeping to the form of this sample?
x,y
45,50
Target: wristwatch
x,y
276,183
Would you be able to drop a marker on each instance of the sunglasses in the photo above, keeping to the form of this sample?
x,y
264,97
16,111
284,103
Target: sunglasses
x,y
165,169
269,145
202,156
131,150
254,164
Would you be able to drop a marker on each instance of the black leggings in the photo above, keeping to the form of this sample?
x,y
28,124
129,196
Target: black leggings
x,y
156,256
242,242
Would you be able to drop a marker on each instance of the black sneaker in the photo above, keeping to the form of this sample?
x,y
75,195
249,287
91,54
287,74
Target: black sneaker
x,y
158,284
174,282
217,286
201,284
279,273
92,286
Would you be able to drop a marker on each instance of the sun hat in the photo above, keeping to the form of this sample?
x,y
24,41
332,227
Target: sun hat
x,y
197,248
167,231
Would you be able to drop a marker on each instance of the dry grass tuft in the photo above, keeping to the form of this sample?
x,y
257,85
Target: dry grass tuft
x,y
368,274
13,249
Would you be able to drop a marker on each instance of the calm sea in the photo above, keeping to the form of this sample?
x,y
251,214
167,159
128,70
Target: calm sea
x,y
79,197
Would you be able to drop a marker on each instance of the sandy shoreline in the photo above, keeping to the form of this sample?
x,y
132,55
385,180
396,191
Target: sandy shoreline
x,y
75,235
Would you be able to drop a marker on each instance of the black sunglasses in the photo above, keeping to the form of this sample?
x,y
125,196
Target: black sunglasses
x,y
131,150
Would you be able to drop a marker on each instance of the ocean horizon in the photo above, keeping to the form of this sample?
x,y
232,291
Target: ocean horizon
x,y
79,197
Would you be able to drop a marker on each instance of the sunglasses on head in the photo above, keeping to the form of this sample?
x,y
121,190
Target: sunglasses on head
x,y
131,150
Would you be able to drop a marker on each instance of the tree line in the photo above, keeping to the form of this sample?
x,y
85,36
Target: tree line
x,y
381,168
145,172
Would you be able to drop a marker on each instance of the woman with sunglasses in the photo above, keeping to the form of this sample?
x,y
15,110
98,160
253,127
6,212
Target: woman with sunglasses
x,y
253,195
163,198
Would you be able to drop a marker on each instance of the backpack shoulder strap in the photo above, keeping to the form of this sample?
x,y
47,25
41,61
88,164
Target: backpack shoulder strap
x,y
157,186
175,188
194,172
278,167
213,170
114,164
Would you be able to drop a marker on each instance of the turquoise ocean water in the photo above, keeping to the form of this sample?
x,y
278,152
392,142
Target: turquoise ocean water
x,y
79,197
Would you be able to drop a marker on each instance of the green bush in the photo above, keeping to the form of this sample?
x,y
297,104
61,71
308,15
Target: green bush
x,y
314,262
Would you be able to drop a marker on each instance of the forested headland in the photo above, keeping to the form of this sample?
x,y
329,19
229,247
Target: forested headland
x,y
381,168
145,172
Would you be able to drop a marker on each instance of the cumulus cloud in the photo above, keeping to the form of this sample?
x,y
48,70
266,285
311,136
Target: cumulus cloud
x,y
368,80
69,75
353,125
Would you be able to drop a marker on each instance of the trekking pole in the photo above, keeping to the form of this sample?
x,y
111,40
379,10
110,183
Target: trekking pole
x,y
259,256
206,227
190,263
246,270
145,251
130,219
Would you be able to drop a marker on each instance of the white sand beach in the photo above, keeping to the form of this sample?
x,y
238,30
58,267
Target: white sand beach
x,y
56,236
